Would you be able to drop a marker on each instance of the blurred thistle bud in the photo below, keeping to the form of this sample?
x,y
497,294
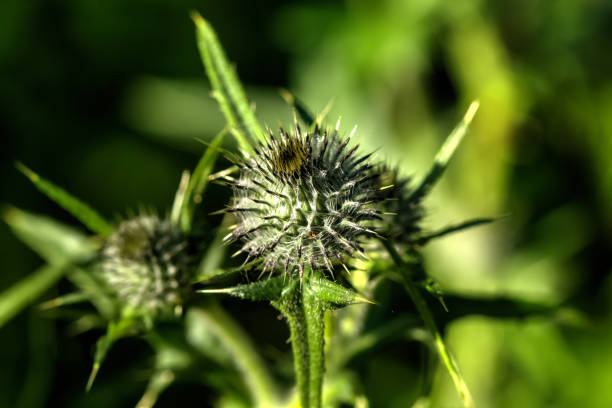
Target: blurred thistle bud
x,y
396,198
146,263
304,200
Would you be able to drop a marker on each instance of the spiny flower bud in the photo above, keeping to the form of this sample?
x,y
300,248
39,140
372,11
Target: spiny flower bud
x,y
146,264
303,200
396,197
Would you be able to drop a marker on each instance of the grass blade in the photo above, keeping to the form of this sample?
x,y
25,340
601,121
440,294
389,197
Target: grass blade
x,y
21,294
227,88
445,153
52,240
81,211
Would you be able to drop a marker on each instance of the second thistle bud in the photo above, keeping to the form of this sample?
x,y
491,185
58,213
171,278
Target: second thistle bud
x,y
304,200
146,264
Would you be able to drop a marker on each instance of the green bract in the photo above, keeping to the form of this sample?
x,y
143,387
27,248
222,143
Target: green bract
x,y
304,200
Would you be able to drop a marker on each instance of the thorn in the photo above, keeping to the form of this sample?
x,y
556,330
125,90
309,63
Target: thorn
x,y
352,132
222,290
364,300
386,187
363,255
92,376
223,173
235,254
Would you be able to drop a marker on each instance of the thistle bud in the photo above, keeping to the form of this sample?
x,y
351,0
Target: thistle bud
x,y
146,264
304,200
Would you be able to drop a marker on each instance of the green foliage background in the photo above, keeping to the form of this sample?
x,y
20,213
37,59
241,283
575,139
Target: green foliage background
x,y
106,98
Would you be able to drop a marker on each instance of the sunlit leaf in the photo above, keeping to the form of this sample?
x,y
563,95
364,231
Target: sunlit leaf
x,y
445,153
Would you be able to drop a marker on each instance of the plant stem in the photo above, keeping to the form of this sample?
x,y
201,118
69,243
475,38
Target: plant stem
x,y
426,315
247,360
304,313
294,313
313,311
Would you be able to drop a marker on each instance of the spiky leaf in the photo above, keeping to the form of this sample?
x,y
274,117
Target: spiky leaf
x,y
81,211
226,86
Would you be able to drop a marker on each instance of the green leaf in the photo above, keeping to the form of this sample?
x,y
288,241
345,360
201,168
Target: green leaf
x,y
445,153
198,182
227,88
81,211
52,240
125,326
26,291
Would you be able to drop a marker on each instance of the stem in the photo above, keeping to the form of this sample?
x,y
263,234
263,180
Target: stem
x,y
313,311
294,313
426,315
247,360
304,312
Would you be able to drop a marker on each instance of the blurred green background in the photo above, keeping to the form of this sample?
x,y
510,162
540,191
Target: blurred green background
x,y
107,99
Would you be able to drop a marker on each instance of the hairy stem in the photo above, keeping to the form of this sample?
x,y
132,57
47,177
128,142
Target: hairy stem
x,y
426,315
291,307
247,360
313,312
304,313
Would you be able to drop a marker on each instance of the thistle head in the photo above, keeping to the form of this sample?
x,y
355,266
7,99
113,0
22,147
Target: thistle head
x,y
146,264
304,200
396,197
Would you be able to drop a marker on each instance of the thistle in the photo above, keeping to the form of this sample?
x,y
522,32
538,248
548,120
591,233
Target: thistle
x,y
146,264
304,200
